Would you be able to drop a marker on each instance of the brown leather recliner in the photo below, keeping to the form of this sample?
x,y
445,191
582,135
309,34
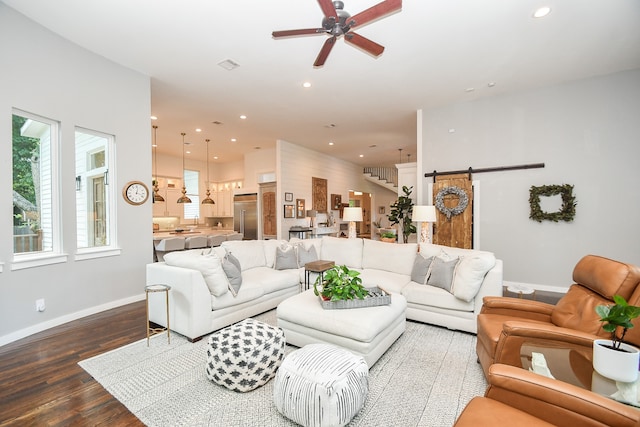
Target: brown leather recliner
x,y
521,398
505,324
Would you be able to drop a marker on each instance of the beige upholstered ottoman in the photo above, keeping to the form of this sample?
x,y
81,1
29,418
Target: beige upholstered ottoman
x,y
321,385
367,331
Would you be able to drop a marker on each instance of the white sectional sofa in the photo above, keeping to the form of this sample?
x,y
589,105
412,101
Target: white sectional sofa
x,y
200,301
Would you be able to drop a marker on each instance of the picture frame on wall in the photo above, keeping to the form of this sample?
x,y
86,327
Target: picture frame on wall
x,y
381,210
336,201
288,211
300,213
288,197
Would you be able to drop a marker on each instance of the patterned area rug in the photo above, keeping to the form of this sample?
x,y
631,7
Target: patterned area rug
x,y
425,379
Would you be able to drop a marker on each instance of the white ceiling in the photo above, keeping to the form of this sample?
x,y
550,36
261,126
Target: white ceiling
x,y
435,51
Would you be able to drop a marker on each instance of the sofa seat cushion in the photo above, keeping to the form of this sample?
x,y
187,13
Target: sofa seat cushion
x,y
272,280
250,290
434,297
390,282
342,251
383,256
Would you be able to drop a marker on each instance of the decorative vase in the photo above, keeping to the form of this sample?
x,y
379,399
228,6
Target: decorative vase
x,y
614,364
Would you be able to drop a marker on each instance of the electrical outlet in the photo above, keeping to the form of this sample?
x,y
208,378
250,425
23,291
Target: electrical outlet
x,y
40,305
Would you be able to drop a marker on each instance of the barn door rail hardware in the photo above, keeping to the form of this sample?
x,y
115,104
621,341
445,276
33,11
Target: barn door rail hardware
x,y
481,170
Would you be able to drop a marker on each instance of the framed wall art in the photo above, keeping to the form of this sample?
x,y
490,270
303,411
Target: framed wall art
x,y
288,211
300,213
336,201
319,194
288,197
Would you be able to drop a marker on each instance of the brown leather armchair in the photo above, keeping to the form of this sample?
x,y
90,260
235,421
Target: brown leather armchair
x,y
505,324
521,398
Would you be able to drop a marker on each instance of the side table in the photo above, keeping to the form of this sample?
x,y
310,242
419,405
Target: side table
x,y
319,266
149,289
521,290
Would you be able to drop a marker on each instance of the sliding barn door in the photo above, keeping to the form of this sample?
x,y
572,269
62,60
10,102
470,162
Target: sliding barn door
x,y
456,231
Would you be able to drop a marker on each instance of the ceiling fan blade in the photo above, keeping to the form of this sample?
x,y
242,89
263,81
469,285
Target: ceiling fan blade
x,y
328,9
324,52
302,32
374,12
364,43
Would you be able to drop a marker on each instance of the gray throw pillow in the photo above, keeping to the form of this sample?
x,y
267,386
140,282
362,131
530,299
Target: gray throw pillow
x,y
442,272
231,267
420,269
286,258
306,255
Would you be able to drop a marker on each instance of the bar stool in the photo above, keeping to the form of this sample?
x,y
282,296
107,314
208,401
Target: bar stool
x,y
148,289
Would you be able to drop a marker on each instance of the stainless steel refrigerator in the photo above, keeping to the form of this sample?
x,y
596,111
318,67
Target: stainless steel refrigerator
x,y
245,215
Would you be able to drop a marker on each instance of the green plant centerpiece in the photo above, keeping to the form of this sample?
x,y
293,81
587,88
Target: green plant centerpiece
x,y
401,211
340,283
618,315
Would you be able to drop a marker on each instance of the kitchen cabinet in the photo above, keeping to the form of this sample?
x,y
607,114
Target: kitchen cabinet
x,y
225,204
170,206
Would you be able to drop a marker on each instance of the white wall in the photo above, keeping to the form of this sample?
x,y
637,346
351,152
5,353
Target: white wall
x,y
296,166
586,132
44,74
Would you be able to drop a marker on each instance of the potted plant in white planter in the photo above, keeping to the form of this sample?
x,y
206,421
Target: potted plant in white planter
x,y
613,358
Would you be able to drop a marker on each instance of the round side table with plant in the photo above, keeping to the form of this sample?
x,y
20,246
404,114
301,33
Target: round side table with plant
x,y
613,358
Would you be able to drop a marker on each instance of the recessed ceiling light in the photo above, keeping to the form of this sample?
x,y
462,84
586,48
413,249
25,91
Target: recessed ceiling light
x,y
188,152
198,130
491,84
215,157
228,64
330,142
233,140
154,118
470,89
361,155
243,117
306,84
542,12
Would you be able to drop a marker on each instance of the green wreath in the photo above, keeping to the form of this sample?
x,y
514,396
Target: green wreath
x,y
566,213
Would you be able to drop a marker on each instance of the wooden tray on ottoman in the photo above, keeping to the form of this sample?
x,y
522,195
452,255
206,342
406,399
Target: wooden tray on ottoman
x,y
380,297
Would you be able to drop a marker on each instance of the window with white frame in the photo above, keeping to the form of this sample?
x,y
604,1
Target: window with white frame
x,y
192,210
94,198
35,186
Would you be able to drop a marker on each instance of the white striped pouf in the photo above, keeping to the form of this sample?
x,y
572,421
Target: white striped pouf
x,y
321,385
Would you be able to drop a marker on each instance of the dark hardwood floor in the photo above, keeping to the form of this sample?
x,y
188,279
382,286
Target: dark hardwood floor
x,y
41,383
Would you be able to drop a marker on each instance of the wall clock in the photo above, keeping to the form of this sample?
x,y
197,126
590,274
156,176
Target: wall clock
x,y
135,192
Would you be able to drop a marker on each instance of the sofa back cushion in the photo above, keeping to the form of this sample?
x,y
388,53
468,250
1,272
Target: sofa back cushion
x,y
470,270
250,253
343,251
396,258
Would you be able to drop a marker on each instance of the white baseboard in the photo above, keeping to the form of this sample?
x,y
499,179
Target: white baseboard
x,y
23,333
537,287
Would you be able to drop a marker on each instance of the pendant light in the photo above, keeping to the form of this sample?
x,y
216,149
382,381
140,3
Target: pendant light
x,y
184,198
208,200
156,197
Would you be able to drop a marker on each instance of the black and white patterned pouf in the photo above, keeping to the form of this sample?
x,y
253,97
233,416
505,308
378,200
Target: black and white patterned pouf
x,y
321,385
244,356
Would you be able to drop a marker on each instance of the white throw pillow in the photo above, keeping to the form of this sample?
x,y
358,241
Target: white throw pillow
x,y
209,265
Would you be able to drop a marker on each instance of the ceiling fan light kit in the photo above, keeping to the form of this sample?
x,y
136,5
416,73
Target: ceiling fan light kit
x,y
338,22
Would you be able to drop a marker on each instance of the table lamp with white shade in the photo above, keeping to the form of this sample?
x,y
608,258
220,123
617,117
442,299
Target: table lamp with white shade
x,y
425,215
352,215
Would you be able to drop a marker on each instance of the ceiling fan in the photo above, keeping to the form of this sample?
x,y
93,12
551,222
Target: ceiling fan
x,y
338,22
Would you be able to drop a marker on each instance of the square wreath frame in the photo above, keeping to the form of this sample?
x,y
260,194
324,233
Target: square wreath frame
x,y
566,213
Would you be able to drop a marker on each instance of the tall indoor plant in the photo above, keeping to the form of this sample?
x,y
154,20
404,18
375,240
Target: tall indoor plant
x,y
613,358
401,211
